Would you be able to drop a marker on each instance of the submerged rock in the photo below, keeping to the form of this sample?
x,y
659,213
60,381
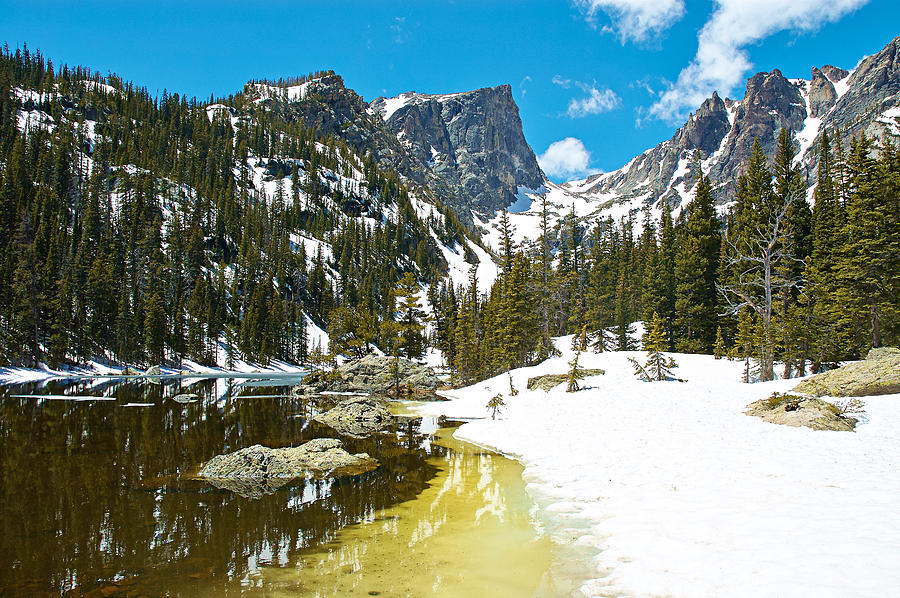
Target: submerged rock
x,y
793,410
258,470
357,416
373,374
877,374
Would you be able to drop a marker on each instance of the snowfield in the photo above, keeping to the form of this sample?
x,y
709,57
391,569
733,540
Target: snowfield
x,y
668,489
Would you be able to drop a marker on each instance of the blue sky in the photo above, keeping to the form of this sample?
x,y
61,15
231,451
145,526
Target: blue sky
x,y
599,81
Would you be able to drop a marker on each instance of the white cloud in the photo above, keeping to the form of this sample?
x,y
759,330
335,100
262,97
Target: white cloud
x,y
721,63
635,20
525,80
564,83
597,101
566,158
398,29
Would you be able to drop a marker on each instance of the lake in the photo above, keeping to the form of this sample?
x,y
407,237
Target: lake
x,y
98,497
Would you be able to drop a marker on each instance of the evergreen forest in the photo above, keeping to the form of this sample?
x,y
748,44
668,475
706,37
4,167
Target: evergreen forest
x,y
147,230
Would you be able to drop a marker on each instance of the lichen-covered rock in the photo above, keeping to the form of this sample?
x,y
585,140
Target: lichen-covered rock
x,y
357,416
257,462
796,411
372,374
549,381
877,374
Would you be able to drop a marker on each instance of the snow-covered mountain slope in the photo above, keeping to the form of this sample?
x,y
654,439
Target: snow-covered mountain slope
x,y
721,133
283,191
465,149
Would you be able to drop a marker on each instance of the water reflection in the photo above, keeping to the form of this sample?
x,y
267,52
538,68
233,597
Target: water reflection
x,y
470,533
97,498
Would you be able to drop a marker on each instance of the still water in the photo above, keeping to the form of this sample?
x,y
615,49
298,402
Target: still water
x,y
99,498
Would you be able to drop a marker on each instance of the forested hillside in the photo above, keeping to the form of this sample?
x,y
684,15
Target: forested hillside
x,y
146,229
772,281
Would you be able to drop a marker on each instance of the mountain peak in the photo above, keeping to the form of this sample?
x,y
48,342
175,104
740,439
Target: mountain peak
x,y
469,144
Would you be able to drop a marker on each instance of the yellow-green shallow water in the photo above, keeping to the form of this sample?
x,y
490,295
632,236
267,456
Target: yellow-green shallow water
x,y
470,533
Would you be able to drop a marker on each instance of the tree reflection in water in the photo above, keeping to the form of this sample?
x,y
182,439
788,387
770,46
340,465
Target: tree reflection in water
x,y
97,498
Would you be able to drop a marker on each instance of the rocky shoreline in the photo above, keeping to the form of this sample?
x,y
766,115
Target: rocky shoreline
x,y
375,375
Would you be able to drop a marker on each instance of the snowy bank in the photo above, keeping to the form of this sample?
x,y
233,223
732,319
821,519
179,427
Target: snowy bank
x,y
667,488
94,368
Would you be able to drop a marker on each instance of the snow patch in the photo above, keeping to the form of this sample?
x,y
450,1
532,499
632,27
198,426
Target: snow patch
x,y
391,105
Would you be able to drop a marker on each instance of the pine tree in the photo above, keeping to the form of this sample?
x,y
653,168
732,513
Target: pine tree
x,y
823,308
495,405
745,341
719,350
869,261
576,373
761,257
696,266
658,366
410,317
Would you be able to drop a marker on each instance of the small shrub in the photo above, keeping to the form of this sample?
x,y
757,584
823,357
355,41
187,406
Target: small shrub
x,y
852,406
576,373
495,405
512,389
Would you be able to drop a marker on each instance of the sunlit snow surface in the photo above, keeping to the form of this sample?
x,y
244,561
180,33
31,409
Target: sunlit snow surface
x,y
672,491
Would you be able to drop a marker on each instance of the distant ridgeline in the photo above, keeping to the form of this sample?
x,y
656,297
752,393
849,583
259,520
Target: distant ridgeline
x,y
295,221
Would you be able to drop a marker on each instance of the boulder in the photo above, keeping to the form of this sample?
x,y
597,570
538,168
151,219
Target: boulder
x,y
154,370
372,374
793,410
259,470
548,381
187,397
877,374
358,417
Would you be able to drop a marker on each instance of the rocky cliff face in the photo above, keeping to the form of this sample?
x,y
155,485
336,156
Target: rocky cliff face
x,y
469,147
722,132
328,106
466,149
873,93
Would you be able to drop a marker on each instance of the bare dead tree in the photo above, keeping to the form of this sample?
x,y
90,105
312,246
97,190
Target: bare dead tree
x,y
760,279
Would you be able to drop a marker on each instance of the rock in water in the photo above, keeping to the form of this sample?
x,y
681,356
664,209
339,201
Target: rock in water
x,y
187,397
372,374
877,374
258,470
154,371
358,417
